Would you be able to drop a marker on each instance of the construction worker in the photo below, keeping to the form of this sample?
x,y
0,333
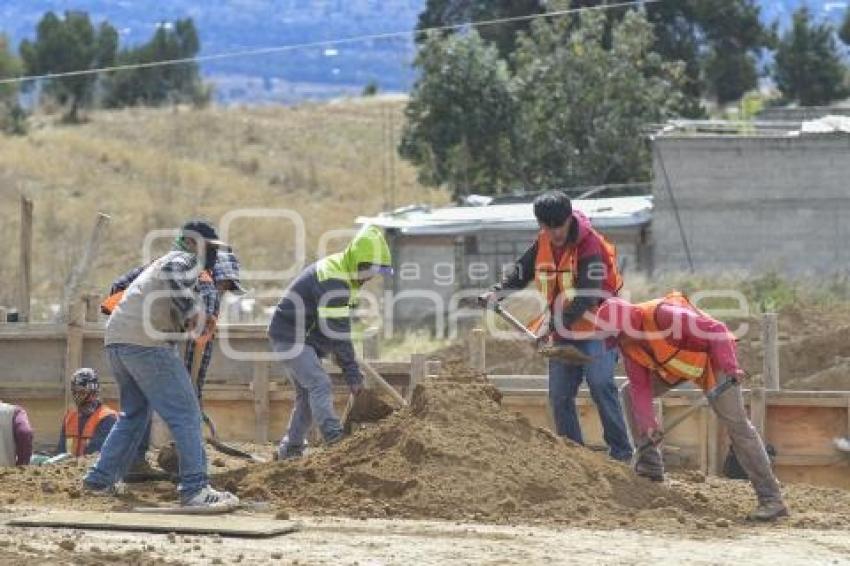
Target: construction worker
x,y
212,286
85,428
159,308
666,342
574,268
15,436
312,320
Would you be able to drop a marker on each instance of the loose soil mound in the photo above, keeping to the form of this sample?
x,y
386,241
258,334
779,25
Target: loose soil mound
x,y
836,378
456,454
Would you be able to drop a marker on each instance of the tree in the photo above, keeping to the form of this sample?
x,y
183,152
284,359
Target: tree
x,y
371,88
719,41
438,13
844,31
10,67
11,113
156,85
67,45
583,107
735,37
808,67
460,115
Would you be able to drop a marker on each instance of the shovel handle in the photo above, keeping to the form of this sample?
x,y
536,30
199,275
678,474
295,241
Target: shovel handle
x,y
372,374
716,392
513,321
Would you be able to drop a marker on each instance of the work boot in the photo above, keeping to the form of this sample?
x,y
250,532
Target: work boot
x,y
769,511
649,471
142,471
114,490
143,467
650,464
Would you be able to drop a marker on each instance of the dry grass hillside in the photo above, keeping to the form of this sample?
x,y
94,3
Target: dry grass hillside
x,y
152,168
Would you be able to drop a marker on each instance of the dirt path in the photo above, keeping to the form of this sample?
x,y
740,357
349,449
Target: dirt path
x,y
374,541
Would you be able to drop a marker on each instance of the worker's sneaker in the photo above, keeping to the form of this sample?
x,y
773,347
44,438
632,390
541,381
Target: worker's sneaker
x,y
213,499
113,490
769,511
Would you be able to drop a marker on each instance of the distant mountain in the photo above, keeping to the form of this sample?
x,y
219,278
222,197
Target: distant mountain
x,y
315,72
237,25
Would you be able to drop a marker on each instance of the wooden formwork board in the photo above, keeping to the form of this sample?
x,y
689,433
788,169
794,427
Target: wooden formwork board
x,y
224,525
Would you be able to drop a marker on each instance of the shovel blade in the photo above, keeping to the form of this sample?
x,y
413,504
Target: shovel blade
x,y
365,407
566,353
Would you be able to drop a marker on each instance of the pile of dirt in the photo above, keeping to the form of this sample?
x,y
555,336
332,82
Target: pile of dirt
x,y
804,357
60,485
456,454
835,378
812,339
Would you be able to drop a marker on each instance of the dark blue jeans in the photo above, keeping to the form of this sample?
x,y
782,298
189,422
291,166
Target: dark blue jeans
x,y
564,381
152,379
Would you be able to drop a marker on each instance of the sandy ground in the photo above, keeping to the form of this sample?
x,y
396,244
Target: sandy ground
x,y
374,541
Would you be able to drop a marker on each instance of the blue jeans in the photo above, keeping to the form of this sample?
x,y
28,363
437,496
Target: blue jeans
x,y
152,378
313,397
564,381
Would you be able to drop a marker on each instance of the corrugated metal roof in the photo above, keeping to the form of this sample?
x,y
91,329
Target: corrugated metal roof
x,y
620,212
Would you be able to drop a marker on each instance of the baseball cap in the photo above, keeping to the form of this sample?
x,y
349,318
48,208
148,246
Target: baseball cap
x,y
226,268
204,229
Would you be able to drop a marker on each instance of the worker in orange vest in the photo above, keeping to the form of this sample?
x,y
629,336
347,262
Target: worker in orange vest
x,y
573,267
666,342
85,428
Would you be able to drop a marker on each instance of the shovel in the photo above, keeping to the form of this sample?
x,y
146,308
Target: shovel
x,y
367,406
565,352
212,439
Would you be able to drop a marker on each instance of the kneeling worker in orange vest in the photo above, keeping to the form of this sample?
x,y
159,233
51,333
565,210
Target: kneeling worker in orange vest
x,y
666,342
85,428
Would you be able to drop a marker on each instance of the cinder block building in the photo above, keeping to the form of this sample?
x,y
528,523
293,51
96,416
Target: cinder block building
x,y
438,252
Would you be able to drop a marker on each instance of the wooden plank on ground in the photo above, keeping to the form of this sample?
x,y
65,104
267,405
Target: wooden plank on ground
x,y
224,525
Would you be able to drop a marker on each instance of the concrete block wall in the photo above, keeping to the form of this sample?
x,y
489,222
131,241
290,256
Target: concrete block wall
x,y
754,203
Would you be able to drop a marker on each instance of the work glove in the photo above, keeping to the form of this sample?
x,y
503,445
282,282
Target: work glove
x,y
484,299
355,383
548,339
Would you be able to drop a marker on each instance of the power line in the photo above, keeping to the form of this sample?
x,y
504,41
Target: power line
x,y
323,43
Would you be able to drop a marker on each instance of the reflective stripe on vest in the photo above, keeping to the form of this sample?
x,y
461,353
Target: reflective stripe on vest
x,y
552,279
76,443
560,280
670,362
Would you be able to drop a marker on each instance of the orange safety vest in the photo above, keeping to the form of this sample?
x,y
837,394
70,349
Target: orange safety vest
x,y
109,303
76,442
555,280
670,362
